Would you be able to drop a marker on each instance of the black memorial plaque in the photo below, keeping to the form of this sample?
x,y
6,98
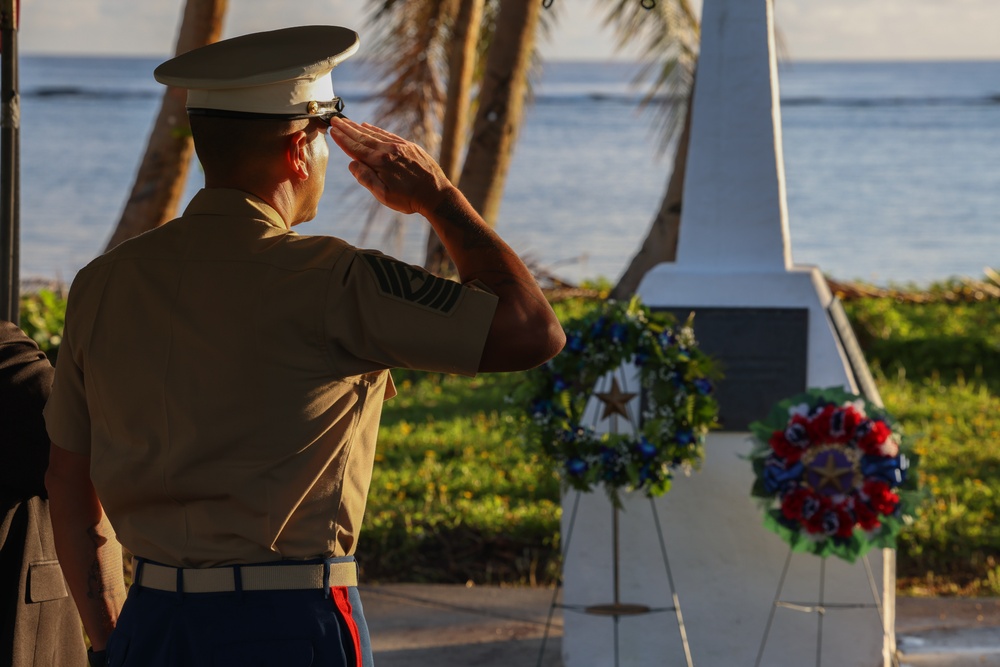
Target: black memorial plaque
x,y
762,353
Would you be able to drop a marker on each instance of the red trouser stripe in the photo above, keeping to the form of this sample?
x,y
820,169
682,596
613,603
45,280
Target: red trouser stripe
x,y
343,602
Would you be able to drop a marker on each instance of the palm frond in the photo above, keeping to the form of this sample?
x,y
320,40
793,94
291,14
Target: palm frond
x,y
408,57
410,61
666,38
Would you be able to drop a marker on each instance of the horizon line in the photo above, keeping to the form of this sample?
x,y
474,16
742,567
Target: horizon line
x,y
569,59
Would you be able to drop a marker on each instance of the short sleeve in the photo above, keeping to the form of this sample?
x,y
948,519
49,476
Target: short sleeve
x,y
67,418
388,314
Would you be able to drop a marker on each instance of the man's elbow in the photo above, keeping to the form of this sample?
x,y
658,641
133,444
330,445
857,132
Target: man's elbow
x,y
551,343
523,349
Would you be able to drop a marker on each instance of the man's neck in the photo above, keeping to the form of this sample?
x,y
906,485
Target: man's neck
x,y
277,197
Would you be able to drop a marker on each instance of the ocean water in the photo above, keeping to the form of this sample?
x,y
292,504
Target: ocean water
x,y
892,169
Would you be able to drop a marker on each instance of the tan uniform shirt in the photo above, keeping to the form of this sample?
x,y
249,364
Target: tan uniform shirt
x,y
226,376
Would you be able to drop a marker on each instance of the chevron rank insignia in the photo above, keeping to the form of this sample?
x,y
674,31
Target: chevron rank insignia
x,y
412,284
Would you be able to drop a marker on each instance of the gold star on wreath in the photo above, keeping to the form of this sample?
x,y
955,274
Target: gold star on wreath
x,y
831,474
615,401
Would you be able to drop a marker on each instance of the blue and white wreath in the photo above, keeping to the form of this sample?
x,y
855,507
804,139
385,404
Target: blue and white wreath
x,y
677,404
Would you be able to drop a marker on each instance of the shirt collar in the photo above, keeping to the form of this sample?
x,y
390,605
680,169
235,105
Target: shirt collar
x,y
230,203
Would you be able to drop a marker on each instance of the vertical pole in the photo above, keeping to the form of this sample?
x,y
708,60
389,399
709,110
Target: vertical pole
x,y
10,124
614,554
820,611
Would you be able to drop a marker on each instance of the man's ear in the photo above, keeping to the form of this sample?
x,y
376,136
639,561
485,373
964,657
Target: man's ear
x,y
297,154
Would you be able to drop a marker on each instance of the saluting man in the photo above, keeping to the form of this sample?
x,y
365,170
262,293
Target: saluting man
x,y
220,381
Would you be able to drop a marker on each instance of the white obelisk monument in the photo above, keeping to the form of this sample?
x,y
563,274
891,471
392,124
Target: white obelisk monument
x,y
771,320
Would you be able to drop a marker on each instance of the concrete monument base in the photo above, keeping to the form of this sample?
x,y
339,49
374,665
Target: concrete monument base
x,y
726,568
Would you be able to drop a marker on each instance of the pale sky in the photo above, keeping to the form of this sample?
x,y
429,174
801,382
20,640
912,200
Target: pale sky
x,y
810,29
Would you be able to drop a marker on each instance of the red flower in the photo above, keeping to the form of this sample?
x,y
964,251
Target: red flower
x,y
871,441
784,449
791,442
815,522
867,519
845,526
839,522
791,504
819,425
851,420
880,497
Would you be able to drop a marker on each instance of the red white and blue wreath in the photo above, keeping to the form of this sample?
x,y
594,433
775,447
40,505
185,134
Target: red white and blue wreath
x,y
677,405
833,473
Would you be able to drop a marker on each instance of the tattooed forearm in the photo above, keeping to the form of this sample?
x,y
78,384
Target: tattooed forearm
x,y
104,571
458,224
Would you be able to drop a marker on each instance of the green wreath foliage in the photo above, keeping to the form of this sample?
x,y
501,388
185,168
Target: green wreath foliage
x,y
677,405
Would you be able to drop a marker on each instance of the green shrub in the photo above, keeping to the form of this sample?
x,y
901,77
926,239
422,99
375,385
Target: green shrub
x,y
43,316
954,542
947,341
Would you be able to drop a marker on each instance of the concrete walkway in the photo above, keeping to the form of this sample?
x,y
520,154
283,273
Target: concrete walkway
x,y
948,632
416,625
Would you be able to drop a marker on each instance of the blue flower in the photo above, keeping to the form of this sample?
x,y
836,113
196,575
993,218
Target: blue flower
x,y
540,407
559,383
597,327
576,466
891,471
608,455
641,356
809,507
619,333
797,435
645,448
646,474
831,523
666,338
703,385
684,436
575,343
778,477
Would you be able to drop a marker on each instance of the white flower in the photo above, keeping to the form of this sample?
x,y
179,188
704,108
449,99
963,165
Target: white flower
x,y
889,448
858,404
800,410
685,336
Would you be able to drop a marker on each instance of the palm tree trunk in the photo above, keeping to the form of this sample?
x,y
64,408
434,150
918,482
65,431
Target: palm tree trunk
x,y
162,175
461,66
661,241
501,106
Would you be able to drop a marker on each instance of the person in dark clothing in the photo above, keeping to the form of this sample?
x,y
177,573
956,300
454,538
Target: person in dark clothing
x,y
39,624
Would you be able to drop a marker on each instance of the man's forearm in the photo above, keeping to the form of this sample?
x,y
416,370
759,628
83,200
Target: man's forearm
x,y
89,554
480,254
477,251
